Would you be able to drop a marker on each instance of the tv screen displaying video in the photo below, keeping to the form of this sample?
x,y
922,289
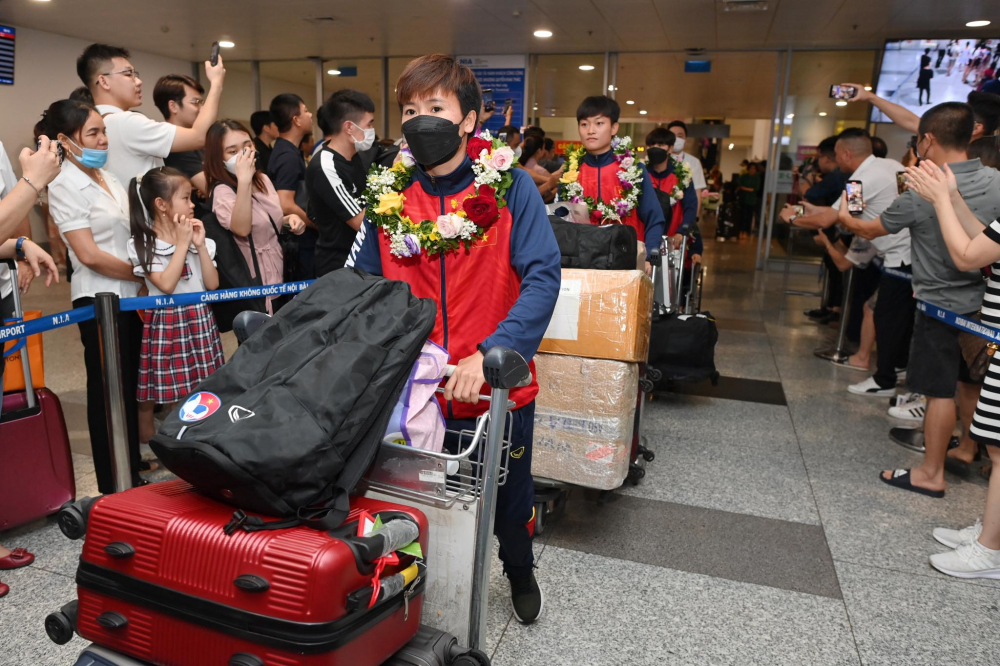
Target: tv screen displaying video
x,y
919,73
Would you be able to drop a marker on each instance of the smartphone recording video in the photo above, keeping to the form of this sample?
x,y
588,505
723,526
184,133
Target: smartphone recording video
x,y
488,103
901,185
214,57
800,210
855,198
843,92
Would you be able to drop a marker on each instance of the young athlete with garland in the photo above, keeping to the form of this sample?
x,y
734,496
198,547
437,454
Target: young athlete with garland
x,y
674,186
604,174
456,221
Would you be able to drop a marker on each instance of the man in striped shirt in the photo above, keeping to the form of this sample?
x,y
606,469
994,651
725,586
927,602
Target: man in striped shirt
x,y
335,177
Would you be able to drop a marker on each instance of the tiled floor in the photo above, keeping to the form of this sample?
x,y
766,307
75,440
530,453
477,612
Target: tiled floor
x,y
759,535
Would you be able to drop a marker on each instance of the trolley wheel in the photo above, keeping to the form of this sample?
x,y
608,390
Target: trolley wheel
x,y
646,454
646,386
653,374
472,658
635,474
541,512
59,626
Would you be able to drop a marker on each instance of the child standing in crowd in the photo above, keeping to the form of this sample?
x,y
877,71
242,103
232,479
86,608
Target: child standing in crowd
x,y
606,177
180,344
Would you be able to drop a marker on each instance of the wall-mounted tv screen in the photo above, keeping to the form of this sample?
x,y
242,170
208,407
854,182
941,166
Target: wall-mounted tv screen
x,y
918,73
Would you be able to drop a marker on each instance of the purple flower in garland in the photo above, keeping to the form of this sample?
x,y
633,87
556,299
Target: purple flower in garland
x,y
412,243
614,142
576,200
623,179
621,207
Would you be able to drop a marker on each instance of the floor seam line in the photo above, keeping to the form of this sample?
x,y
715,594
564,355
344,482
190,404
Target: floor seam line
x,y
931,575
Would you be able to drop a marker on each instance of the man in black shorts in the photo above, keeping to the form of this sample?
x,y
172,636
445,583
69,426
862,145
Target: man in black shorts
x,y
935,363
335,177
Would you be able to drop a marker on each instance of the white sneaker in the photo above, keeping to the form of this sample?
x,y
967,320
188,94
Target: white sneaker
x,y
956,538
909,410
870,387
973,560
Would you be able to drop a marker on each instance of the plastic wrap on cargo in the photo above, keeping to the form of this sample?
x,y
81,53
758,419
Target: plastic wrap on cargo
x,y
601,314
584,417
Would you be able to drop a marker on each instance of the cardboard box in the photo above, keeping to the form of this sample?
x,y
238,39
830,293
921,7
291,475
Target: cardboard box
x,y
601,314
584,417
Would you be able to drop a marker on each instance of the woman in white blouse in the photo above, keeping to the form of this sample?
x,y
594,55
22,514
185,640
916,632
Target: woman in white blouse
x,y
91,210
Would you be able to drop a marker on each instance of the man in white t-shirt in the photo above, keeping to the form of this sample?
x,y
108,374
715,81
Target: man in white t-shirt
x,y
680,130
896,308
136,143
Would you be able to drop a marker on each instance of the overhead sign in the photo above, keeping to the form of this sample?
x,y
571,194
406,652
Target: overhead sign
x,y
506,76
7,35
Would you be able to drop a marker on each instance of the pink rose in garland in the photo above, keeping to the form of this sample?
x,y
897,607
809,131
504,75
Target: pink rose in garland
x,y
502,158
450,225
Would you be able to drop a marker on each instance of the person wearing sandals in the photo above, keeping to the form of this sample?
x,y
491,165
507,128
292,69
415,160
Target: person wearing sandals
x,y
976,549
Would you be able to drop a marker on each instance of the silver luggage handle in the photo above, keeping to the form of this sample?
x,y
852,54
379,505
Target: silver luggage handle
x,y
29,387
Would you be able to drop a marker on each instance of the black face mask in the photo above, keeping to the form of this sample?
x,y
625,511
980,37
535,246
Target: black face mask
x,y
656,155
432,140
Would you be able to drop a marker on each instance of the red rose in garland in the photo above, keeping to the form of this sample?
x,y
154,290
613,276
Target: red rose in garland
x,y
476,146
482,209
596,216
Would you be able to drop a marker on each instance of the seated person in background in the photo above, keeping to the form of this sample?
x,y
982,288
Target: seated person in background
x,y
616,189
674,186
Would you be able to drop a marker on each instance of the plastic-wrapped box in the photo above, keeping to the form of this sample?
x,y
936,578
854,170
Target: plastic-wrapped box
x,y
584,415
601,314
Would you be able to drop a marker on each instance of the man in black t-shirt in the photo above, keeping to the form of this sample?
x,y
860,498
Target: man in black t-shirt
x,y
179,99
287,170
335,178
265,133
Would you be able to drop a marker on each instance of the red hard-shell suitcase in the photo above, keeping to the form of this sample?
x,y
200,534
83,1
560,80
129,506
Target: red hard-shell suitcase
x,y
36,472
159,580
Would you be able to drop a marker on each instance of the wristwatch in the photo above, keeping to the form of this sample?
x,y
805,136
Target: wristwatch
x,y
19,247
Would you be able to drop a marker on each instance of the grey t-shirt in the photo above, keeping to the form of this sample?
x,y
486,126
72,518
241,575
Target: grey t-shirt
x,y
936,280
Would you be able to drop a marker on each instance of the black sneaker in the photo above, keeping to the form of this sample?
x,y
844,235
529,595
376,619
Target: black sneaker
x,y
526,598
816,314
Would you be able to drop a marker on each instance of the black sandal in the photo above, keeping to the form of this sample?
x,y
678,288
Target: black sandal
x,y
901,479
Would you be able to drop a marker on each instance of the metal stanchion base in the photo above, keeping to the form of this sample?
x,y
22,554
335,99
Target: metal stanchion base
x,y
834,354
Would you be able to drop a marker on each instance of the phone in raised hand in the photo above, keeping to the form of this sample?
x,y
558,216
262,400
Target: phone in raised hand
x,y
855,198
843,92
214,58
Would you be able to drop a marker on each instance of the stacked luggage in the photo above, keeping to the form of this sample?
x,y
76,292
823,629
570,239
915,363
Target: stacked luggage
x,y
303,572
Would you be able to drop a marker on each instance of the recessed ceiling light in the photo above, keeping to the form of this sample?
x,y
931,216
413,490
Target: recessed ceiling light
x,y
731,146
790,116
822,114
226,44
333,72
630,101
543,33
642,112
976,24
868,88
841,103
586,68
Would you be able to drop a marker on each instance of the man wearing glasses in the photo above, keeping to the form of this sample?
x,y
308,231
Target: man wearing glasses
x,y
180,98
136,143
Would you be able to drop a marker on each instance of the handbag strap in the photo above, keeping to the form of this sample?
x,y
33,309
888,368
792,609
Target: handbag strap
x,y
253,248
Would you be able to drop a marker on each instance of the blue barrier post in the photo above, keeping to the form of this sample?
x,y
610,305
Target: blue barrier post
x,y
106,309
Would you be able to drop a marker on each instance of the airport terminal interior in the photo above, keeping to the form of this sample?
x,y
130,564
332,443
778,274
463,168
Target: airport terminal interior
x,y
727,506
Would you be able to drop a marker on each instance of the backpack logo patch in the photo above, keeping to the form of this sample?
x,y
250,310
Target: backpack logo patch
x,y
237,413
517,453
200,406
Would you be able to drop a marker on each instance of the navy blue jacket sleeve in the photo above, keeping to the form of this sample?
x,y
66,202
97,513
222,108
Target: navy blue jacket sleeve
x,y
364,253
689,204
698,246
535,256
651,214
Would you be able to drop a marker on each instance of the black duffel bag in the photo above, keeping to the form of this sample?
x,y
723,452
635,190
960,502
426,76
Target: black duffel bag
x,y
682,348
612,247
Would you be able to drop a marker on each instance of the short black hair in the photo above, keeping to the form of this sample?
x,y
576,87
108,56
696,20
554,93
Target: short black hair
x,y
828,147
82,94
598,105
438,71
95,58
858,138
534,131
661,136
987,149
170,88
508,130
879,147
950,123
259,119
985,110
284,108
678,123
549,144
529,148
343,105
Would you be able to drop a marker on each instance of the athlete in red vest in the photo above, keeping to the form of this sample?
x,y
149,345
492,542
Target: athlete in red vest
x,y
681,215
501,291
597,119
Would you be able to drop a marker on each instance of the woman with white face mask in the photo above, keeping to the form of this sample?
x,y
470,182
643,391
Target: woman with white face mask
x,y
244,200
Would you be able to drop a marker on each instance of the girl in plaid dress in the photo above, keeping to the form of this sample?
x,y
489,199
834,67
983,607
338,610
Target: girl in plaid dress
x,y
180,344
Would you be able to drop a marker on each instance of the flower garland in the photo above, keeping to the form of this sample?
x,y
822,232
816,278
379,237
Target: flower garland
x,y
629,175
383,198
684,176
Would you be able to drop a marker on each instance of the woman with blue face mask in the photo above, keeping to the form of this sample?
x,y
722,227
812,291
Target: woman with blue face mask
x,y
90,208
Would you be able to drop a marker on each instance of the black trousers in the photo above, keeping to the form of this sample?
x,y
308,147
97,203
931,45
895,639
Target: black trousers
x,y
516,498
130,341
894,312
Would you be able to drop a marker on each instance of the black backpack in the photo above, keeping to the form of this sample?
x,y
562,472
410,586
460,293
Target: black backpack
x,y
613,247
290,424
682,348
233,270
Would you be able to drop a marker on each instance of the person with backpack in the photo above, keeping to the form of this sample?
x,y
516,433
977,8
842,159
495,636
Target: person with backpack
x,y
168,247
485,254
245,202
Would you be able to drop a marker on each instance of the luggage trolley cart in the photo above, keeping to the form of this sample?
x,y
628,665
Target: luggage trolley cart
x,y
457,492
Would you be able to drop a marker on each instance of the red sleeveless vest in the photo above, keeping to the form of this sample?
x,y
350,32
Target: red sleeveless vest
x,y
474,289
666,184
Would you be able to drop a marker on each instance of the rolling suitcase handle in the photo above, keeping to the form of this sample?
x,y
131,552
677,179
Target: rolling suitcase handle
x,y
19,314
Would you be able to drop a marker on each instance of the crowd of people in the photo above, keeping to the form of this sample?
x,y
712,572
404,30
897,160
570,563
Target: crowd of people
x,y
924,231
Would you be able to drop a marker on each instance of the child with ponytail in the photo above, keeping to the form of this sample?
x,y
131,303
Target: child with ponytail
x,y
180,344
